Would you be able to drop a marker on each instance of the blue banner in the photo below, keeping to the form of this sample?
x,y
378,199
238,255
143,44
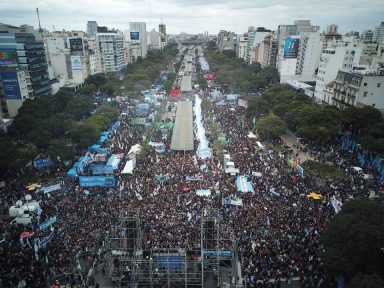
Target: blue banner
x,y
42,163
47,223
10,85
97,181
102,169
219,253
42,243
244,185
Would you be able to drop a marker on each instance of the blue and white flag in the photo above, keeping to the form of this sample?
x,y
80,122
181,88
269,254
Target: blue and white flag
x,y
244,185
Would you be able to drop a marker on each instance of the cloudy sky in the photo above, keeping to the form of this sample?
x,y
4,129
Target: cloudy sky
x,y
194,16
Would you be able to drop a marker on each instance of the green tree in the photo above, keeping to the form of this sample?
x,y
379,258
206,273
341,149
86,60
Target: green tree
x,y
41,137
270,126
80,107
101,121
109,112
84,134
353,240
9,153
108,88
61,150
88,89
257,107
97,80
60,101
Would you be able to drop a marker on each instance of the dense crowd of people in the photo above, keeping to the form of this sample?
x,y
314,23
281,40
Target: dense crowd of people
x,y
276,230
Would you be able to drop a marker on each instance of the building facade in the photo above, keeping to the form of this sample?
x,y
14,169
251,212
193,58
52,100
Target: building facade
x,y
111,49
23,68
226,40
92,28
138,39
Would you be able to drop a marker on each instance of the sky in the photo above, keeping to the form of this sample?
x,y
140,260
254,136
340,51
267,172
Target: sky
x,y
194,16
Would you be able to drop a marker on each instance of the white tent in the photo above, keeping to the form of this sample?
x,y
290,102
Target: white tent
x,y
135,149
252,136
128,168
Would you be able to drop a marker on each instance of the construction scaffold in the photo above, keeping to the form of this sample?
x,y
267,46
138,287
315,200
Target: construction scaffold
x,y
131,265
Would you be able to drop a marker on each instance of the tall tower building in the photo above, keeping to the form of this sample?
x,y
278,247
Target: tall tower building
x,y
138,39
92,28
162,29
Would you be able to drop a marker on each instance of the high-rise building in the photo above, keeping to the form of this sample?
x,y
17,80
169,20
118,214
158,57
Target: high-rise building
x,y
226,40
241,46
92,28
268,51
153,39
285,31
111,48
378,34
162,29
138,39
367,36
255,37
23,67
300,57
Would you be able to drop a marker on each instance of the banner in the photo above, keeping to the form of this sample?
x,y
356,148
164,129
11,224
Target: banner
x,y
8,58
76,64
47,223
10,85
203,192
42,243
244,185
51,188
98,169
235,202
97,181
42,163
336,204
291,47
193,178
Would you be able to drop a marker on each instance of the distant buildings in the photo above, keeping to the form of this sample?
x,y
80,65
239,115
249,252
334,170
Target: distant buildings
x,y
137,38
226,40
92,28
111,48
23,67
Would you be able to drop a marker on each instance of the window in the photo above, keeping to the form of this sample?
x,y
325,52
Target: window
x,y
378,84
365,94
365,84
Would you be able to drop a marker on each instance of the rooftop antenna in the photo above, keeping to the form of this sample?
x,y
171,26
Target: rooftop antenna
x,y
38,17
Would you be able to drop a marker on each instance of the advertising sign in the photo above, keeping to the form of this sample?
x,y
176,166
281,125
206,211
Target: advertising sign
x,y
8,58
135,36
10,85
291,47
97,181
76,45
76,64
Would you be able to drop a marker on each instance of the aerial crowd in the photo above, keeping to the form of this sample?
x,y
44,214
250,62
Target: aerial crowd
x,y
276,231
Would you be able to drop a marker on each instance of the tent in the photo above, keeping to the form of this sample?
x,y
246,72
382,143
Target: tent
x,y
128,168
94,148
135,149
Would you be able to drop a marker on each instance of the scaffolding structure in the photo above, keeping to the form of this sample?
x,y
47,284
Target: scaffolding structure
x,y
131,265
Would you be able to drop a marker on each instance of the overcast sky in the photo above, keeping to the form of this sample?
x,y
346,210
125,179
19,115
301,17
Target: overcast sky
x,y
194,16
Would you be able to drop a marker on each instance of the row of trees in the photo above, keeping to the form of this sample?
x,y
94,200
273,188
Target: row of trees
x,y
319,123
54,125
136,76
239,75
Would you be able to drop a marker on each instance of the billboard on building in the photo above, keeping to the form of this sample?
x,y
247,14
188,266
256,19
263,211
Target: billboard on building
x,y
76,64
10,85
8,58
291,47
135,36
76,44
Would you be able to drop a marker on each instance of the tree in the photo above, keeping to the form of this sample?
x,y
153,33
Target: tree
x,y
84,134
41,137
270,126
80,107
366,281
9,153
61,150
353,240
257,106
108,89
97,79
88,89
60,101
